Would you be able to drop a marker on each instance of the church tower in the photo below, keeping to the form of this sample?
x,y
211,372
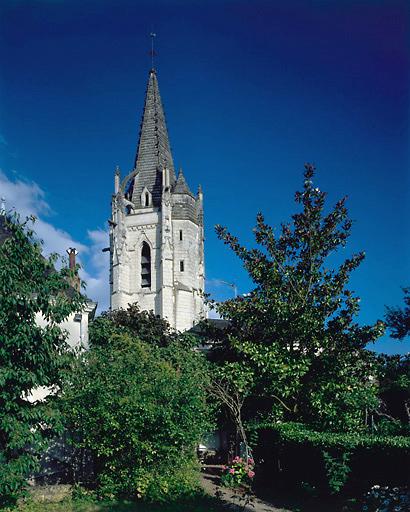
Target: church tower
x,y
156,229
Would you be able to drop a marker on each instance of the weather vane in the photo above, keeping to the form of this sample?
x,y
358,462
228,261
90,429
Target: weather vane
x,y
152,52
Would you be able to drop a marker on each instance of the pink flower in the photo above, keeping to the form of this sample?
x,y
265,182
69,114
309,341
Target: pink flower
x,y
232,471
251,474
224,468
251,461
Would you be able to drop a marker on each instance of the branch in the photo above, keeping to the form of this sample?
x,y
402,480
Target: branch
x,y
283,403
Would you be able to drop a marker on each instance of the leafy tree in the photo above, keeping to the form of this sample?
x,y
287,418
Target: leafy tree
x,y
296,331
398,319
139,407
145,324
30,355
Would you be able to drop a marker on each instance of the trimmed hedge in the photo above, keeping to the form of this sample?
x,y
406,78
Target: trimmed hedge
x,y
291,454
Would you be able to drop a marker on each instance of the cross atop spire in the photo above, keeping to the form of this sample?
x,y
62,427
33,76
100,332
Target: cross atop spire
x,y
152,53
153,151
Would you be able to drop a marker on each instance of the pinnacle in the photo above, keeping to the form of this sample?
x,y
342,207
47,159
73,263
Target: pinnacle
x,y
181,186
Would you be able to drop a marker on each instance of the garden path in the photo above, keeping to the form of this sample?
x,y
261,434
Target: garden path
x,y
210,483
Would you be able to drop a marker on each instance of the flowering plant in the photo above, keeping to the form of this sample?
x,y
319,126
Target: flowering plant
x,y
239,473
386,499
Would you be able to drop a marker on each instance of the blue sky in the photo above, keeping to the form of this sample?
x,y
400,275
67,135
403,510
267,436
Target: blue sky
x,y
251,90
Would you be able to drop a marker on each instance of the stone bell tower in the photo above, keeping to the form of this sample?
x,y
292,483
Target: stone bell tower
x,y
156,229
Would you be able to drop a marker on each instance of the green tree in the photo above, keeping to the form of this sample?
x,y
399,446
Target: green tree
x,y
139,407
30,355
296,330
398,319
144,324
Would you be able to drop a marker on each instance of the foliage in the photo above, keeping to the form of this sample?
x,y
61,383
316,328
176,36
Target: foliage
x,y
337,468
386,499
328,460
239,473
393,375
140,408
295,335
299,433
31,355
230,385
144,324
398,319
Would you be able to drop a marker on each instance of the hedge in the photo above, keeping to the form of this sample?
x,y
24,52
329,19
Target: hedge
x,y
292,454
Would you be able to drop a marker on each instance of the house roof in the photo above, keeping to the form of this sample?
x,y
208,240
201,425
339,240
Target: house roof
x,y
153,150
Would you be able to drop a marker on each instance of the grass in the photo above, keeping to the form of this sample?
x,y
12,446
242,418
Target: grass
x,y
200,504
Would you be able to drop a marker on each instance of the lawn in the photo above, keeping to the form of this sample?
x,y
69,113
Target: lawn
x,y
201,504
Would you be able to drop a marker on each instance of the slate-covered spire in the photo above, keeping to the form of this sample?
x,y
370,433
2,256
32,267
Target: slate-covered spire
x,y
153,151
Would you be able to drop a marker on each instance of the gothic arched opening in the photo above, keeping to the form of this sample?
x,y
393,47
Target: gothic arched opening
x,y
145,266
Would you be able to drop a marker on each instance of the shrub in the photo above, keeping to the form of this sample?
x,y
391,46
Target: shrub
x,y
331,462
386,499
140,409
239,473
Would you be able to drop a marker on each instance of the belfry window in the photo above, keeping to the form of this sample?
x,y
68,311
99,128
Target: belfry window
x,y
146,198
145,266
180,234
181,265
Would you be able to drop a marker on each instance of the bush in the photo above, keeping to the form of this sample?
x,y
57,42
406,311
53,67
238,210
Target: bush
x,y
239,473
140,409
328,462
385,499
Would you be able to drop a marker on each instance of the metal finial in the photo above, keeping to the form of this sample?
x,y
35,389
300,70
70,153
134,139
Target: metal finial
x,y
152,53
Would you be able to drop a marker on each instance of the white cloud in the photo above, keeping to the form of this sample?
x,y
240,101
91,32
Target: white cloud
x,y
98,263
27,198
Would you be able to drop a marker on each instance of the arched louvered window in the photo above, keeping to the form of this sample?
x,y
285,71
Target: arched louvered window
x,y
145,266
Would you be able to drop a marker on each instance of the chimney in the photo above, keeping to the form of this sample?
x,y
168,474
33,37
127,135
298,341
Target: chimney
x,y
75,280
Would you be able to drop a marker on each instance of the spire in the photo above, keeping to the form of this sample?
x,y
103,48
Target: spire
x,y
181,186
153,151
